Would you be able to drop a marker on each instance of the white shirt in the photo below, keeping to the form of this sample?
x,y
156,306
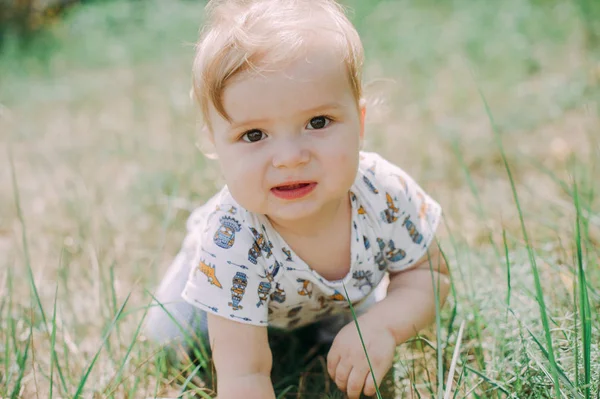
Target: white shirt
x,y
244,270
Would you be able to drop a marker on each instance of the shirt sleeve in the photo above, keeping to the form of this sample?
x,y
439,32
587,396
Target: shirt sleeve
x,y
410,217
228,275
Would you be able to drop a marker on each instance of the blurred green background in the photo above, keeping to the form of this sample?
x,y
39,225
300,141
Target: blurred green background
x,y
95,111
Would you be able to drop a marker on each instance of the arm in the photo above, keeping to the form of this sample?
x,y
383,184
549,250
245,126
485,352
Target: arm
x,y
408,307
410,302
242,359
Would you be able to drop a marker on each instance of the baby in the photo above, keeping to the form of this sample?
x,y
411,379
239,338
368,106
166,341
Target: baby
x,y
307,222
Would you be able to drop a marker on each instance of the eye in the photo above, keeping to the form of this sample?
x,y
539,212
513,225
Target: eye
x,y
252,136
318,122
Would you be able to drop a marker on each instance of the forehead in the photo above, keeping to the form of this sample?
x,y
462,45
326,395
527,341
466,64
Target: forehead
x,y
315,78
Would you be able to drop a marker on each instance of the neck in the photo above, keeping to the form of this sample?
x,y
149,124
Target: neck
x,y
328,216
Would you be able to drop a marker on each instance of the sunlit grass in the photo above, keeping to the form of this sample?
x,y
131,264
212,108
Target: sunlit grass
x,y
105,171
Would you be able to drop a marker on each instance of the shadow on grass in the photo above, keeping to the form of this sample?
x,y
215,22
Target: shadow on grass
x,y
299,367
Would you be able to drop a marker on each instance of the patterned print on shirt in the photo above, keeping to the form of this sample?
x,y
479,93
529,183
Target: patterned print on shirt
x,y
225,235
363,279
288,254
370,185
209,272
238,288
414,234
337,296
394,254
402,183
214,309
390,215
424,206
232,210
380,257
306,289
278,295
294,312
260,244
240,318
264,289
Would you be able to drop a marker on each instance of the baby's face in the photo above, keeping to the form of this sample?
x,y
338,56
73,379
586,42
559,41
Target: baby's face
x,y
291,149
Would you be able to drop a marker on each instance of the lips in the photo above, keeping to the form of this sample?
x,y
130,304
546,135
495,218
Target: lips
x,y
293,190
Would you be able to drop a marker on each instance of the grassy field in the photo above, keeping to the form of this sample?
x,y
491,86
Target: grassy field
x,y
492,106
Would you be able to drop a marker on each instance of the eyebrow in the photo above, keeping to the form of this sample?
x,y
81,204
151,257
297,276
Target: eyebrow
x,y
314,110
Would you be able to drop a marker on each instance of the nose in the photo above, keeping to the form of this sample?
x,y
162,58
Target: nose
x,y
290,153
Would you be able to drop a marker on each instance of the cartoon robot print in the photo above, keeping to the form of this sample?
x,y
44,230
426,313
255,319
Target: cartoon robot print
x,y
390,215
411,228
363,279
225,235
394,254
238,288
278,294
260,244
264,289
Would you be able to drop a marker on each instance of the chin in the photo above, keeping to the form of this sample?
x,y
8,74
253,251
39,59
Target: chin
x,y
292,213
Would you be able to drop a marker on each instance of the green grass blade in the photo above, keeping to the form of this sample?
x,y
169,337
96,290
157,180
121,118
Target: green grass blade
x,y
25,244
532,260
508,282
285,392
53,344
117,377
188,380
561,373
487,379
24,240
83,380
584,302
362,342
438,326
9,328
21,362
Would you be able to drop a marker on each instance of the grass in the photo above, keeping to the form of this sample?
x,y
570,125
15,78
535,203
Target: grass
x,y
494,109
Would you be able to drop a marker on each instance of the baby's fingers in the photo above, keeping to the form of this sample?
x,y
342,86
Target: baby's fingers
x,y
356,381
342,374
369,385
333,359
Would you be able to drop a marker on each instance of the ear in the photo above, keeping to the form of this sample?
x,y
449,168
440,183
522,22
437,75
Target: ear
x,y
362,107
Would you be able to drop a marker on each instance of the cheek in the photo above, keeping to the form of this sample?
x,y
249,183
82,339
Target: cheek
x,y
239,167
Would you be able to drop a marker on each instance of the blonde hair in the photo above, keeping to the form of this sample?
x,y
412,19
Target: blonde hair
x,y
242,35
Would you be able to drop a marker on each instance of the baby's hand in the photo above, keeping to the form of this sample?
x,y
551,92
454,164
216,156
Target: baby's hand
x,y
347,364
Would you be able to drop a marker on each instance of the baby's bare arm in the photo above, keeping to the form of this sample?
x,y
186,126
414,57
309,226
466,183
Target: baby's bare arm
x,y
408,307
242,359
410,302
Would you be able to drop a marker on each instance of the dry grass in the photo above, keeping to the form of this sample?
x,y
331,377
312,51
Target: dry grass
x,y
107,172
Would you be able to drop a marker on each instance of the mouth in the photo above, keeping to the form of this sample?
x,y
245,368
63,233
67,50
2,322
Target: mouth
x,y
293,190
